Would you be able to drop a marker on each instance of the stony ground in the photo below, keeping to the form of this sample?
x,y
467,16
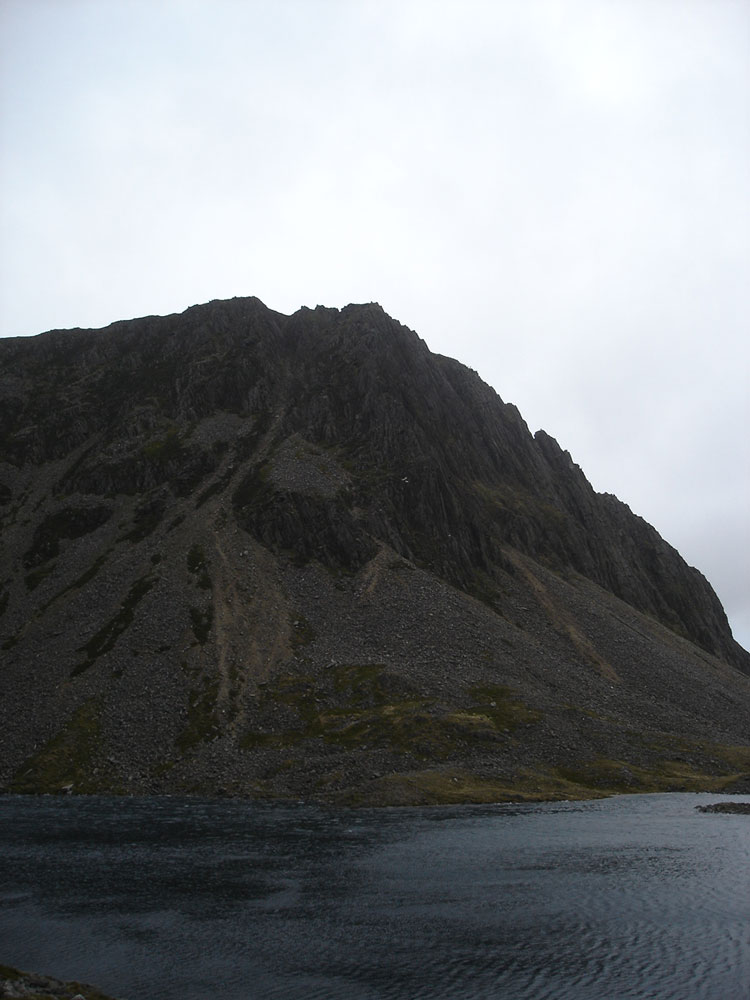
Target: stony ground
x,y
31,986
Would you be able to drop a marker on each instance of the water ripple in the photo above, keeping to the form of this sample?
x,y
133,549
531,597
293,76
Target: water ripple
x,y
630,898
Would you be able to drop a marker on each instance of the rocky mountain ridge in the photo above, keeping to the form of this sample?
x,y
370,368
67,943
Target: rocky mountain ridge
x,y
231,536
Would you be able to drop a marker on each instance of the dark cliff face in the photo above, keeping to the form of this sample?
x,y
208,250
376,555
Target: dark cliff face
x,y
325,439
440,468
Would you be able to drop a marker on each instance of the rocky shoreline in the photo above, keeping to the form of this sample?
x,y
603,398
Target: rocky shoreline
x,y
735,808
31,986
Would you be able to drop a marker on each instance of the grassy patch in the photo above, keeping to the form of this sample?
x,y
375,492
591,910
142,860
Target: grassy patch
x,y
444,784
301,632
166,448
737,758
665,775
362,684
502,707
66,759
202,724
201,622
406,727
363,706
596,779
198,566
447,786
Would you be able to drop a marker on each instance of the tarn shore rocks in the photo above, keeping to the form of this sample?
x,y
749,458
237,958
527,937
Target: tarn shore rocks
x,y
17,984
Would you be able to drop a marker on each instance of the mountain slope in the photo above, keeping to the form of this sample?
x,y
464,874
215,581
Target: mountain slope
x,y
304,555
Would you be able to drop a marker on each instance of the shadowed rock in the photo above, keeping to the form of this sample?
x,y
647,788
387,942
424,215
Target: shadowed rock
x,y
736,808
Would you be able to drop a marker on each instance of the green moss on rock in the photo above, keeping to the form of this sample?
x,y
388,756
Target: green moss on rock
x,y
197,565
202,722
364,706
502,707
65,762
201,620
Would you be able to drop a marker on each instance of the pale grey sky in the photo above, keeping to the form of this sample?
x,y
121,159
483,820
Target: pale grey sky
x,y
555,192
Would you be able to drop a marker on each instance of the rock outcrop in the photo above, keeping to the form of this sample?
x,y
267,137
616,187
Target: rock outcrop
x,y
31,986
304,555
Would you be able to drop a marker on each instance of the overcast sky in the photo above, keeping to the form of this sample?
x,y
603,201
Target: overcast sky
x,y
555,193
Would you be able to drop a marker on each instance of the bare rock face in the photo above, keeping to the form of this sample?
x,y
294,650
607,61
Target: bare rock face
x,y
303,555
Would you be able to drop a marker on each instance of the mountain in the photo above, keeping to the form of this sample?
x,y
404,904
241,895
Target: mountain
x,y
268,555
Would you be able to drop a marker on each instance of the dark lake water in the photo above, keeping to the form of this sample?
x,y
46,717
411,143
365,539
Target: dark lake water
x,y
638,896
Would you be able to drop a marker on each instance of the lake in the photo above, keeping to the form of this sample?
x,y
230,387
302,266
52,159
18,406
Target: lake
x,y
167,898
